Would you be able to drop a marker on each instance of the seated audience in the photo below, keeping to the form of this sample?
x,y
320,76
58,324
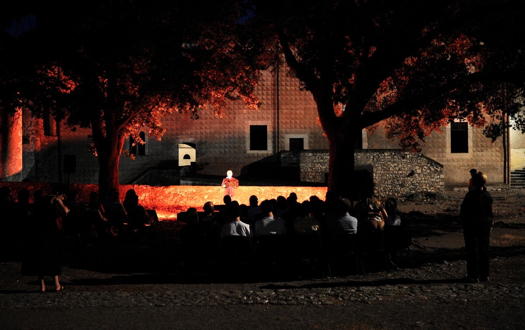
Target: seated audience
x,y
234,226
254,211
345,224
269,224
305,222
115,212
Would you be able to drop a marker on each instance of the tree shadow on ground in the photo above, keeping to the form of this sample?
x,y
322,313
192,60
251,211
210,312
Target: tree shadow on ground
x,y
251,275
364,283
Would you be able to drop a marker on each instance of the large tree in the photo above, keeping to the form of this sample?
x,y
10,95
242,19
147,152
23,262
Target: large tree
x,y
417,64
118,66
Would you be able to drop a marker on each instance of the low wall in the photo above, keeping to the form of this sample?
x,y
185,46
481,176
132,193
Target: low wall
x,y
395,173
169,200
401,173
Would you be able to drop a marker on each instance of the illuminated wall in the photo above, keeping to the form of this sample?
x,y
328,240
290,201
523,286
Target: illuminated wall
x,y
483,154
222,140
11,145
169,200
517,150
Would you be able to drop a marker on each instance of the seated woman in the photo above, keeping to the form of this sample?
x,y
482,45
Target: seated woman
x,y
137,216
371,216
397,236
115,212
376,214
97,216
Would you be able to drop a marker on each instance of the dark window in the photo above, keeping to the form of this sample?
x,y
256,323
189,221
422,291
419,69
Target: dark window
x,y
296,144
70,163
258,137
136,148
459,138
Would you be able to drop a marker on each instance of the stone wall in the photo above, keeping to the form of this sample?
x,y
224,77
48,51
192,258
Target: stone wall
x,y
395,173
313,166
483,153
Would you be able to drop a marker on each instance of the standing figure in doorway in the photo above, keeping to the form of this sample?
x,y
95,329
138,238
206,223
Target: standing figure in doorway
x,y
229,183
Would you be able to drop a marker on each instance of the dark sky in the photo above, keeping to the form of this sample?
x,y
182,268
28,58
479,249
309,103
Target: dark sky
x,y
21,25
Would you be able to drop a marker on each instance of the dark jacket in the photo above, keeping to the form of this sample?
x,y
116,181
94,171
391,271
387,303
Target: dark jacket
x,y
476,208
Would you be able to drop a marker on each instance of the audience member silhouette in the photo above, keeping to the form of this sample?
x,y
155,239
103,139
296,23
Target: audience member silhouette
x,y
7,222
97,215
136,214
305,222
234,226
269,224
115,212
44,259
254,211
473,173
22,213
397,237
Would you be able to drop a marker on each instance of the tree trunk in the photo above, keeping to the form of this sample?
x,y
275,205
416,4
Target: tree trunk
x,y
341,164
109,161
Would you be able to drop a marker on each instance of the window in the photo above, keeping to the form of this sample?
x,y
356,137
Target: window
x,y
136,148
258,137
70,163
459,138
296,144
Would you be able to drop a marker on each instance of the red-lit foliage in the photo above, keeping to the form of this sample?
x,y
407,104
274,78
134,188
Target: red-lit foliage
x,y
417,64
119,67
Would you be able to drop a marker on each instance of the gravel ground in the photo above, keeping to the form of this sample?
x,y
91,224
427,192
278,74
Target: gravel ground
x,y
429,293
439,283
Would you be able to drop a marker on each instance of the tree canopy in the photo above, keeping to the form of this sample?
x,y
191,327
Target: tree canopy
x,y
119,66
416,64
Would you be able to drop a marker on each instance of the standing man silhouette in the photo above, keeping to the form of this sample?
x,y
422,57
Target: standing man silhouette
x,y
229,183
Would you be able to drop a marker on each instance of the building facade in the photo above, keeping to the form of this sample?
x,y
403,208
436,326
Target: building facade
x,y
238,136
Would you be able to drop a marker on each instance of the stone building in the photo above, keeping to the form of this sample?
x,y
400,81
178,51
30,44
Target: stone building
x,y
284,133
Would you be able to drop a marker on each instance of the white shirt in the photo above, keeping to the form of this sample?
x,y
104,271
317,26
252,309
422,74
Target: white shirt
x,y
236,228
348,224
270,226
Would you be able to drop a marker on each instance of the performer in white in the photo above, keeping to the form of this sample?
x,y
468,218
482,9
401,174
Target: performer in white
x,y
229,183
